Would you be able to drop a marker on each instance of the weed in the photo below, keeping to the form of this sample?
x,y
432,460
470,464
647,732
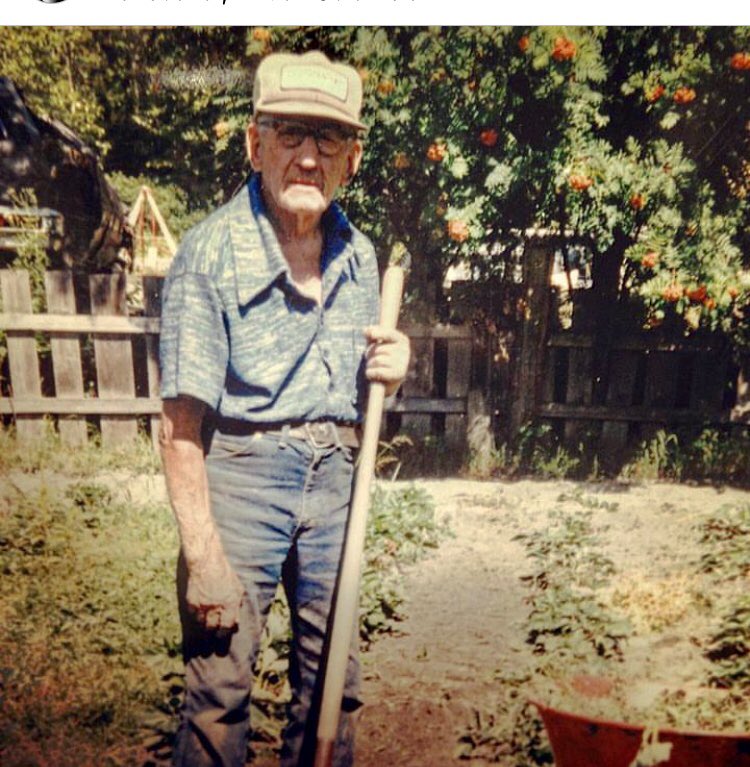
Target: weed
x,y
659,458
49,453
726,534
587,501
710,455
388,458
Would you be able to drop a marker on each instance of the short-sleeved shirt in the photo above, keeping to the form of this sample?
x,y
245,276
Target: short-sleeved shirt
x,y
238,335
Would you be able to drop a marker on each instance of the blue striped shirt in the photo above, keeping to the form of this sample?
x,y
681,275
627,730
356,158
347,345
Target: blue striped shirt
x,y
238,335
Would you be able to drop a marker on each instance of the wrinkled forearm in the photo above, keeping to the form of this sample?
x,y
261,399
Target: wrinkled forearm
x,y
187,486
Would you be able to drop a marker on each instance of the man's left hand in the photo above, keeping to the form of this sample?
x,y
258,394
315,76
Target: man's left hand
x,y
387,357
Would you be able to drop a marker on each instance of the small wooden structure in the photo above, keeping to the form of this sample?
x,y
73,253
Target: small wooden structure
x,y
144,219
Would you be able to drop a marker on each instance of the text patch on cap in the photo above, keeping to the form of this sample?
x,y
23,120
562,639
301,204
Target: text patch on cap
x,y
314,78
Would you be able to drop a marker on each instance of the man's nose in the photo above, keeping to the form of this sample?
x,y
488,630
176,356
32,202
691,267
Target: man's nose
x,y
308,153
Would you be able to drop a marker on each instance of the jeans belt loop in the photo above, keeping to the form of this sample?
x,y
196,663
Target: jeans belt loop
x,y
322,434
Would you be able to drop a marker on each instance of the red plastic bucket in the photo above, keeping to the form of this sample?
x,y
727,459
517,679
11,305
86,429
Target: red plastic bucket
x,y
580,741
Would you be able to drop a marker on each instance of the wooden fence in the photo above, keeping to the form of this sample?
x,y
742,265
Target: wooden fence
x,y
91,364
651,383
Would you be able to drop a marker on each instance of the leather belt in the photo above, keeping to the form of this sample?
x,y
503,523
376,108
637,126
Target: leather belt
x,y
317,433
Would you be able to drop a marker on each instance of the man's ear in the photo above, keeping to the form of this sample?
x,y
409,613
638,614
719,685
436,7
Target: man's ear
x,y
252,146
353,160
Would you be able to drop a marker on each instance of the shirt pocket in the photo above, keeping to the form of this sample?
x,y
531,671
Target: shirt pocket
x,y
349,346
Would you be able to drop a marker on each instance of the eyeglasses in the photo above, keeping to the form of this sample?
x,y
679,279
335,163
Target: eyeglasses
x,y
330,139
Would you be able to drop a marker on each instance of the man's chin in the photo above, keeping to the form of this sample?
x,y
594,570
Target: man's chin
x,y
307,200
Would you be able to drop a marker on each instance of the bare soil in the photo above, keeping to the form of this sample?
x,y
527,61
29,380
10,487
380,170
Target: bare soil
x,y
465,609
465,605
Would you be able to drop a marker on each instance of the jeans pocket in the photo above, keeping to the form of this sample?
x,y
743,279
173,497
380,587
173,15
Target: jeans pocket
x,y
229,445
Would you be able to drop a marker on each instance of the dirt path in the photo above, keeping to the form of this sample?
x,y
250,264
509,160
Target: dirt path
x,y
465,605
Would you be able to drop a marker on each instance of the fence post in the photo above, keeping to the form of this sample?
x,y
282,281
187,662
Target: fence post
x,y
741,409
458,376
418,383
479,435
528,380
23,359
152,287
620,393
66,354
114,358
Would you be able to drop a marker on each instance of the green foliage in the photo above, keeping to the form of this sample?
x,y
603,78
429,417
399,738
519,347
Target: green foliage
x,y
61,72
710,455
655,459
48,453
30,246
512,734
90,623
726,536
587,501
567,619
401,529
537,451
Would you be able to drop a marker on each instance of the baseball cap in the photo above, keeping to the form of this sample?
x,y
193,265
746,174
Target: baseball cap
x,y
308,84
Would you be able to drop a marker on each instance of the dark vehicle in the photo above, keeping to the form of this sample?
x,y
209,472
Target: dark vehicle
x,y
74,203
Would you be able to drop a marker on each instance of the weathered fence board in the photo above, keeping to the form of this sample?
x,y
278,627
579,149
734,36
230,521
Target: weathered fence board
x,y
622,379
652,383
114,358
23,359
38,406
458,379
66,354
418,384
578,391
127,383
152,302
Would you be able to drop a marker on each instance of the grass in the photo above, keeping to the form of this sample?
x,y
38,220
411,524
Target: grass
x,y
50,454
90,667
91,630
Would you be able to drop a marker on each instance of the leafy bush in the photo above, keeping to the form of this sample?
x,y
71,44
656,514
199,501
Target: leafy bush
x,y
87,601
90,674
708,455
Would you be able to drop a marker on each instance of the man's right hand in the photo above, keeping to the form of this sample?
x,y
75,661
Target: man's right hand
x,y
214,592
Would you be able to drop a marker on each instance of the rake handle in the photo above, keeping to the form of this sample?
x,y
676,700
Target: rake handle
x,y
347,600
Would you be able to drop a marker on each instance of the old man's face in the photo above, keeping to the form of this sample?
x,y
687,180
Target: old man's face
x,y
303,161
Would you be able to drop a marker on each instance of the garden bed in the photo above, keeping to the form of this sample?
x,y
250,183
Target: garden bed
x,y
640,582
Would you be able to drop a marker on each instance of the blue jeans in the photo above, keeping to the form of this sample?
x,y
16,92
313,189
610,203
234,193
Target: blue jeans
x,y
281,508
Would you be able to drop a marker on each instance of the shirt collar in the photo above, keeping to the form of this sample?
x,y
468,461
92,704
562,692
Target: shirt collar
x,y
258,258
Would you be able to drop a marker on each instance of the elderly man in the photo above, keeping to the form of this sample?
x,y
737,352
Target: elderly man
x,y
269,333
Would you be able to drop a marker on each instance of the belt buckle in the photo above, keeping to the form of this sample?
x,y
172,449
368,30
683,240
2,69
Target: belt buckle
x,y
321,433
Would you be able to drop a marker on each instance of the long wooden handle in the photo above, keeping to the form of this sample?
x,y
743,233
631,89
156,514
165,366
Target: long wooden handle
x,y
347,600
